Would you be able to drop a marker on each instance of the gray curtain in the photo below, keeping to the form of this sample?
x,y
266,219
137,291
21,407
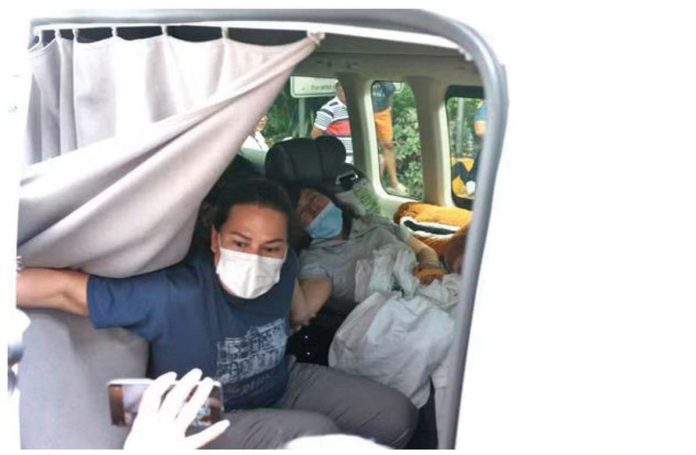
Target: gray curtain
x,y
125,201
125,138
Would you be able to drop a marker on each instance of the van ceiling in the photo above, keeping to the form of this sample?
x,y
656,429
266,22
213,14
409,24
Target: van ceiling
x,y
378,58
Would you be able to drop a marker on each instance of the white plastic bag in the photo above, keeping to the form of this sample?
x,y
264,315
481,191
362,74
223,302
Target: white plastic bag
x,y
398,342
396,338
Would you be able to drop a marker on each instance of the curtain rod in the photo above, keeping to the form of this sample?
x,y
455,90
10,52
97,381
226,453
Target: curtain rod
x,y
313,28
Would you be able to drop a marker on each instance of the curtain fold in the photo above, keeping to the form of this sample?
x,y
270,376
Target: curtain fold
x,y
126,138
152,141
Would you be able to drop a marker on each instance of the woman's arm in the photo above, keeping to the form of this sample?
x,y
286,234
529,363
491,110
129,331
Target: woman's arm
x,y
424,253
316,132
427,260
309,296
64,290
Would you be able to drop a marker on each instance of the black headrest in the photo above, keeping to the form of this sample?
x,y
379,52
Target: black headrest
x,y
306,161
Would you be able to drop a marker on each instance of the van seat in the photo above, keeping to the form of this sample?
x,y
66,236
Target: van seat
x,y
319,162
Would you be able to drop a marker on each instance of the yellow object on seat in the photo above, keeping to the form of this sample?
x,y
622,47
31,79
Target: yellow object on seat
x,y
432,224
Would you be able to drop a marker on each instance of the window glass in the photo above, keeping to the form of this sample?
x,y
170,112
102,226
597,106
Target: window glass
x,y
308,107
466,120
331,118
398,139
294,114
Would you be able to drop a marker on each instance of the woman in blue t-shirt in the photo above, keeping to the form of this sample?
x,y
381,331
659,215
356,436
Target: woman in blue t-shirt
x,y
227,312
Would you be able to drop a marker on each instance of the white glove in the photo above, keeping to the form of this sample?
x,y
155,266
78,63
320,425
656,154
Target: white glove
x,y
161,425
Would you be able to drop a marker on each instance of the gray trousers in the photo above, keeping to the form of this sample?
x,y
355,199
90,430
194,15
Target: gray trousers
x,y
321,400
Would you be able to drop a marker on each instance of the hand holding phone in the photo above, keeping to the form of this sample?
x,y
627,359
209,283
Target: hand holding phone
x,y
168,408
125,396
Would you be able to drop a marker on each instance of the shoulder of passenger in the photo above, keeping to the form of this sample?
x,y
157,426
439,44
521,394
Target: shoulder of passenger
x,y
308,254
372,219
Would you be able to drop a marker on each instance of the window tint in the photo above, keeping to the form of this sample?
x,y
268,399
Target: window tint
x,y
466,120
398,139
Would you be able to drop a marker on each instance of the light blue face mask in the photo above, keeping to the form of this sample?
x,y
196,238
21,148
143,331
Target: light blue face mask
x,y
328,223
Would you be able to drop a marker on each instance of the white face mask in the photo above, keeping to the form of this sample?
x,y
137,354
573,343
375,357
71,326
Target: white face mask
x,y
248,275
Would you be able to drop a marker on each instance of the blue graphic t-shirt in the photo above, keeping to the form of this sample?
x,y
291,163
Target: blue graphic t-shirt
x,y
191,322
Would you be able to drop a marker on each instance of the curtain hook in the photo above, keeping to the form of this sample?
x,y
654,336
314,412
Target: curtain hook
x,y
114,32
76,33
164,30
466,55
223,32
317,37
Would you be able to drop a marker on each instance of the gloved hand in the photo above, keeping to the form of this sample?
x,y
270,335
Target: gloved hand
x,y
160,426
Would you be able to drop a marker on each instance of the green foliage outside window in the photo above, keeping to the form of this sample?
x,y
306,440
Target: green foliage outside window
x,y
469,144
283,118
409,167
283,122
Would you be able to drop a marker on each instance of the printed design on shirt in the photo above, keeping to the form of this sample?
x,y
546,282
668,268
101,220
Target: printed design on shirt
x,y
260,349
245,389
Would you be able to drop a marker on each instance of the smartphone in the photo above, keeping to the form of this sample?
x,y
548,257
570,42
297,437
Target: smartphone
x,y
125,396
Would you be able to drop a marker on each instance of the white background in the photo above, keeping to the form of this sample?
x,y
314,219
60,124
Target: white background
x,y
583,337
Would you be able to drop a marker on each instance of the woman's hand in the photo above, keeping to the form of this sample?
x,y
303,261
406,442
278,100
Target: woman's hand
x,y
308,297
161,424
427,272
429,268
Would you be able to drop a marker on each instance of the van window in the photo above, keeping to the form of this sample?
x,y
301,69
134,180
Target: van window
x,y
466,121
310,107
398,139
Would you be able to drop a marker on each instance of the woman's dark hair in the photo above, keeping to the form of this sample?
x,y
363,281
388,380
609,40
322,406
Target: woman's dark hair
x,y
348,212
254,191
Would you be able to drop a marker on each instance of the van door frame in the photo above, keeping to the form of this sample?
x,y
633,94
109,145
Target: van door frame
x,y
471,45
